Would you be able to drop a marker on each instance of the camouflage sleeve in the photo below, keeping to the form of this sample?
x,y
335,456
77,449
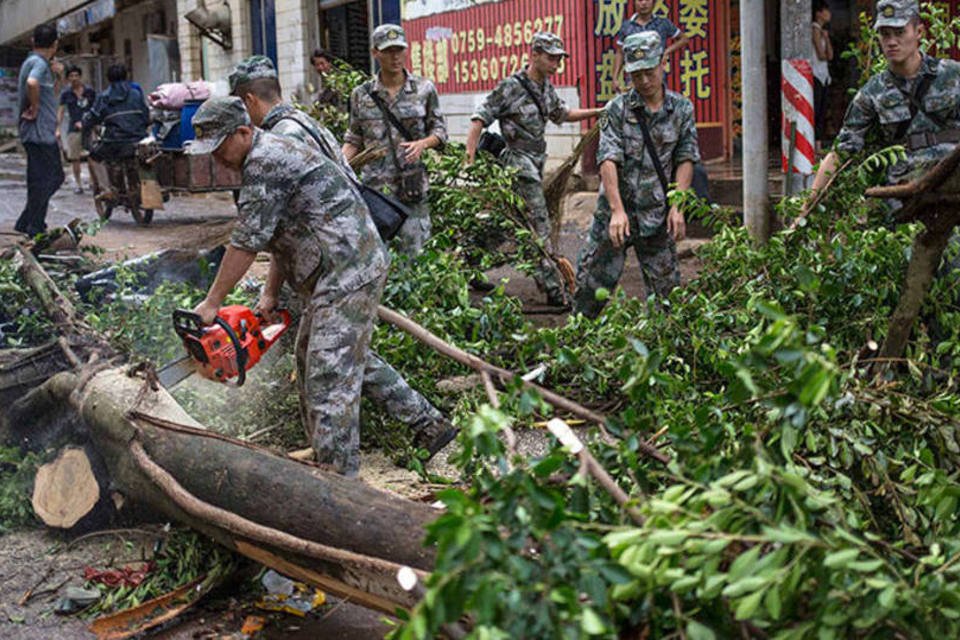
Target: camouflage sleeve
x,y
611,132
861,116
557,109
354,132
258,214
688,145
435,123
492,105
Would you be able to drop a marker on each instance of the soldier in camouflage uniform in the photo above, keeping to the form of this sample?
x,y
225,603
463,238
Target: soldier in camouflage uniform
x,y
882,113
523,102
254,80
295,203
415,104
632,206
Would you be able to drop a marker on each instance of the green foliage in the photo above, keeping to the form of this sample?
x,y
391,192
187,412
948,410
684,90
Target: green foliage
x,y
16,481
482,216
805,499
343,79
180,558
22,321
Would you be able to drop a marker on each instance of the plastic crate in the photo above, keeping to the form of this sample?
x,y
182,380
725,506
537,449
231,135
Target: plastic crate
x,y
179,135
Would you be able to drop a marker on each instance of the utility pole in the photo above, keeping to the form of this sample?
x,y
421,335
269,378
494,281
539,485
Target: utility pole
x,y
796,52
753,61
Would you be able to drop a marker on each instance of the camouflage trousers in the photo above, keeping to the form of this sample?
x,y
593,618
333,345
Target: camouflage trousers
x,y
415,231
547,277
335,367
600,264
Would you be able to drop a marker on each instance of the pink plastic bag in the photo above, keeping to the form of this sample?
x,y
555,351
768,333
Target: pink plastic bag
x,y
173,95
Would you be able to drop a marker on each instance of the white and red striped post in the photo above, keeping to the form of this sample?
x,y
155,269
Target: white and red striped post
x,y
797,92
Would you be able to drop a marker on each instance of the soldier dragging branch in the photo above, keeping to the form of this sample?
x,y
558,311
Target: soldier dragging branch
x,y
523,103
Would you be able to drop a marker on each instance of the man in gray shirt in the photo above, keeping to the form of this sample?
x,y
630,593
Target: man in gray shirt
x,y
37,129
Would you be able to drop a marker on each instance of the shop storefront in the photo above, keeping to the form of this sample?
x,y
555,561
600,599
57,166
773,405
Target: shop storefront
x,y
466,48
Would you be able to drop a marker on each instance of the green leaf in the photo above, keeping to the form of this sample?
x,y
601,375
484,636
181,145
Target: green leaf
x,y
697,631
840,559
786,534
591,623
749,605
744,563
744,585
772,603
887,597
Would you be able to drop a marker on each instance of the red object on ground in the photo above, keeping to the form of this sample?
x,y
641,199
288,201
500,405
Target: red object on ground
x,y
126,576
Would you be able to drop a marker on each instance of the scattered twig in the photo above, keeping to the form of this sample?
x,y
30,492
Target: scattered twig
x,y
29,592
112,532
423,335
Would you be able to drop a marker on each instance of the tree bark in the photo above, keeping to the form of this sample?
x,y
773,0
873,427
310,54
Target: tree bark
x,y
928,248
245,497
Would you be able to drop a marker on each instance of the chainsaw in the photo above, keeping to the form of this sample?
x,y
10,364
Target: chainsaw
x,y
224,350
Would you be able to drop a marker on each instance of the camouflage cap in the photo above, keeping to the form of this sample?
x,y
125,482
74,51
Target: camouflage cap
x,y
216,119
388,35
250,69
642,50
896,13
548,43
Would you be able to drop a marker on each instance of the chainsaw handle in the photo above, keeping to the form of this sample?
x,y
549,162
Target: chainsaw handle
x,y
187,323
240,351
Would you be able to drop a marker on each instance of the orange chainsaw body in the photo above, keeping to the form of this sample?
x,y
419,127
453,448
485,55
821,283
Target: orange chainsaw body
x,y
232,345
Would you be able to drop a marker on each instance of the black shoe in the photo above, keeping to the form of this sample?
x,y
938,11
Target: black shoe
x,y
435,437
483,286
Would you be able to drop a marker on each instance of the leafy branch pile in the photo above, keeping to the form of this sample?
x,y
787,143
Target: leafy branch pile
x,y
806,498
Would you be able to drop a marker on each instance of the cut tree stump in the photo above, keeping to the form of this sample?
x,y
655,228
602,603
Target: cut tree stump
x,y
65,490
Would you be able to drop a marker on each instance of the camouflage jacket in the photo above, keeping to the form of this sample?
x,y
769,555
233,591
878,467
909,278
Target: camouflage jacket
x,y
286,120
416,106
297,205
673,132
877,111
520,121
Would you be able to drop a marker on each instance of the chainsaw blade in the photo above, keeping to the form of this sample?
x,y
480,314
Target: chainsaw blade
x,y
175,372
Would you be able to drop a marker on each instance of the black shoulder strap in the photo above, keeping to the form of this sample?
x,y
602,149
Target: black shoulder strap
x,y
915,98
528,87
327,151
648,145
389,115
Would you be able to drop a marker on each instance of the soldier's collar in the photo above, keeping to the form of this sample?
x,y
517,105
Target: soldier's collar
x,y
257,134
409,83
275,113
928,66
634,100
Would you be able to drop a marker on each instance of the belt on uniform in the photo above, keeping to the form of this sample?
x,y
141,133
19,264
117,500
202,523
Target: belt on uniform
x,y
929,138
530,146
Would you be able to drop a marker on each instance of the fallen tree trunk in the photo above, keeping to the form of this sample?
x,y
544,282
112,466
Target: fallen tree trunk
x,y
350,537
334,532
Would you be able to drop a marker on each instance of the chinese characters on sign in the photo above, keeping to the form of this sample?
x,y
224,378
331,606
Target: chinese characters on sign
x,y
691,16
473,49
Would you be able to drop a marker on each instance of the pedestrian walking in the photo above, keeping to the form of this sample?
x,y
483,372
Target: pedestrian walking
x,y
75,101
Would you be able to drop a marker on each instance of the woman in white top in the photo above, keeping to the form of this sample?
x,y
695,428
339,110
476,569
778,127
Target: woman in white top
x,y
823,54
